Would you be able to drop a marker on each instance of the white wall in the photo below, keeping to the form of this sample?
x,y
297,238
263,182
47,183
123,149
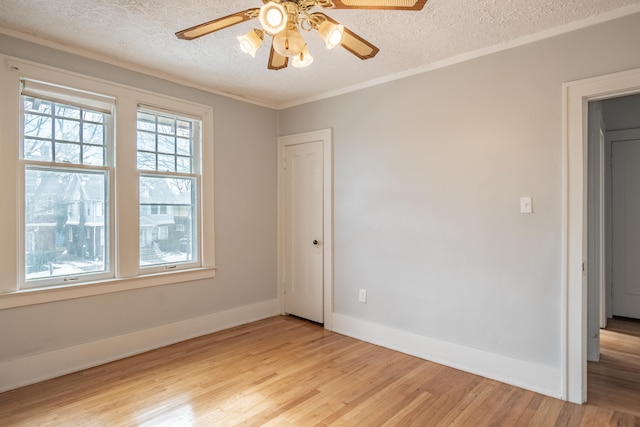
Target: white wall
x,y
428,175
245,227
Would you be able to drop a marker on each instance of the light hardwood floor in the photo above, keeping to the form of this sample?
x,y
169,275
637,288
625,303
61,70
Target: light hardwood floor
x,y
614,381
284,371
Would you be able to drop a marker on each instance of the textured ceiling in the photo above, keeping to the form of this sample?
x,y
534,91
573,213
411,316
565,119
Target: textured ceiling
x,y
141,33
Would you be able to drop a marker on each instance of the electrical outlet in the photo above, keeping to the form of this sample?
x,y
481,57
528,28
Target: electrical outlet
x,y
362,296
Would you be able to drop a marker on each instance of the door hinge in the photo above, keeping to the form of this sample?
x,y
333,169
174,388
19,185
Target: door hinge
x,y
583,266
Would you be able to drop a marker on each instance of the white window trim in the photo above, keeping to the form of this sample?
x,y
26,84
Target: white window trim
x,y
127,271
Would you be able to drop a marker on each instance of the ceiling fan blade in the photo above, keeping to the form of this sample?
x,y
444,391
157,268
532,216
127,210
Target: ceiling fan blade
x,y
380,4
277,61
354,43
357,45
217,24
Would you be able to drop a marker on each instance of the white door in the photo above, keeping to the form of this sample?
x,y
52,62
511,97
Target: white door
x,y
625,200
303,218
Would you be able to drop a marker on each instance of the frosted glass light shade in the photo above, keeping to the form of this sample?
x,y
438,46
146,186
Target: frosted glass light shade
x,y
273,17
302,59
250,42
331,33
288,42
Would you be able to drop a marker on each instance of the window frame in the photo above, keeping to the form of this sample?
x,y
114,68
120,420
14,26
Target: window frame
x,y
124,263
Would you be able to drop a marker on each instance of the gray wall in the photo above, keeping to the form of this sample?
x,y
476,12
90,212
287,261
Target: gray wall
x,y
622,113
428,175
245,226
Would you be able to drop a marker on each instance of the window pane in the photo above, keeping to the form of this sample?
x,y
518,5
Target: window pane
x,y
67,111
146,161
167,220
184,128
37,105
38,126
166,163
92,155
166,125
93,133
65,221
67,130
166,144
146,141
67,153
183,146
90,116
36,149
183,164
147,121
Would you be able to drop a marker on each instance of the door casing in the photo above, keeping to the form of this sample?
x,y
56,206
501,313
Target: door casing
x,y
326,136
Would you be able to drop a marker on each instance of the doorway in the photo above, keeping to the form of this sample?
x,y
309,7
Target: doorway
x,y
305,225
613,235
613,206
625,210
576,96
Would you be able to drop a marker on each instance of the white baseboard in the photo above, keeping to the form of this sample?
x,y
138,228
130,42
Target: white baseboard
x,y
531,376
39,367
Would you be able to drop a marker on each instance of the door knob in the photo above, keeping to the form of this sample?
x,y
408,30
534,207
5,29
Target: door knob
x,y
315,242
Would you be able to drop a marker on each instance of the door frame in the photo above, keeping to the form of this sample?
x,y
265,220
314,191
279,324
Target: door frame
x,y
326,136
575,98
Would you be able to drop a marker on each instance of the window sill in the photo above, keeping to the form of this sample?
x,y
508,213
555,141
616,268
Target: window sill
x,y
61,293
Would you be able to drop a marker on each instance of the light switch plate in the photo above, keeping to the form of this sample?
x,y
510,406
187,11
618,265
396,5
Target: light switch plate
x,y
526,205
362,296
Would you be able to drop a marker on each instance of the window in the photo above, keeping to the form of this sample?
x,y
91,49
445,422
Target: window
x,y
66,170
79,144
166,146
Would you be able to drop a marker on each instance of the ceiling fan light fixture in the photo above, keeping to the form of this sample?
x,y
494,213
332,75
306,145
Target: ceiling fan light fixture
x,y
288,42
331,33
250,42
282,20
303,59
273,17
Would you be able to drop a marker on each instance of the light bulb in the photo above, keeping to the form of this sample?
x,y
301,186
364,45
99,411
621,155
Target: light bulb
x,y
331,33
250,42
288,42
273,17
302,59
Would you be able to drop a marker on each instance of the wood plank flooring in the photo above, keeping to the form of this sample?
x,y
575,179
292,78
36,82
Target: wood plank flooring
x,y
614,381
284,371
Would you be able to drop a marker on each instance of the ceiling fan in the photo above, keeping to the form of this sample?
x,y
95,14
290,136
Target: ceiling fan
x,y
283,20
